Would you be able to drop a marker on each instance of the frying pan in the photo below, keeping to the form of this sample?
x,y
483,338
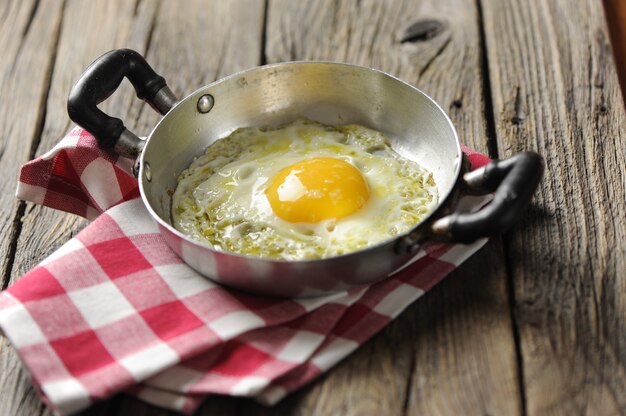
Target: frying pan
x,y
330,93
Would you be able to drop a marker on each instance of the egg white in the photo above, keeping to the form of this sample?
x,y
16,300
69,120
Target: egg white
x,y
220,198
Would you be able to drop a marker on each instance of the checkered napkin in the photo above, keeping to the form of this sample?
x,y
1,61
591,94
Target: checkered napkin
x,y
115,310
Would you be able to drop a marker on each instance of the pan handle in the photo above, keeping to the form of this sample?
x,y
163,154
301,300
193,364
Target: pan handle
x,y
514,182
99,81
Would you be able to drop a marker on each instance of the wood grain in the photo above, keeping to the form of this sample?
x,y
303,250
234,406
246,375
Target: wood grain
x,y
568,259
194,45
44,229
28,35
443,353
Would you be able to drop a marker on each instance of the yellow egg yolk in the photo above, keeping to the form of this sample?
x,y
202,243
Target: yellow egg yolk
x,y
317,189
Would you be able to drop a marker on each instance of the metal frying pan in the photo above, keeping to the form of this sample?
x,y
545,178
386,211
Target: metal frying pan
x,y
331,93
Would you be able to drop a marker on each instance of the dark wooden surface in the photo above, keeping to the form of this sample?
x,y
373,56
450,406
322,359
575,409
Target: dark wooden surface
x,y
535,323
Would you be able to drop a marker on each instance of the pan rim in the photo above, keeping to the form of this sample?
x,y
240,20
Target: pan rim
x,y
443,200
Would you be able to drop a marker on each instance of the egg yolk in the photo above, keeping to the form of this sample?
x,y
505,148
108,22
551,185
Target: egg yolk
x,y
317,189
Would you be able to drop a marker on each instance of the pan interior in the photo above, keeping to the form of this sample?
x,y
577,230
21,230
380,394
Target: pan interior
x,y
330,93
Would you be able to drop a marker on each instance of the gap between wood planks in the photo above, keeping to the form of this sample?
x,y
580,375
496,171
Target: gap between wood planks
x,y
148,43
492,145
263,52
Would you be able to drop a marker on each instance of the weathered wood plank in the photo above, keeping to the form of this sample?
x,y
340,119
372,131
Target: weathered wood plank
x,y
43,229
555,89
222,38
433,359
28,35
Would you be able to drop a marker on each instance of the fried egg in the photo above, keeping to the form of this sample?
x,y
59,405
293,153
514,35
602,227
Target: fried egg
x,y
301,191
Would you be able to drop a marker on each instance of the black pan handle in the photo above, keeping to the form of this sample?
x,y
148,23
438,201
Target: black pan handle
x,y
99,81
514,182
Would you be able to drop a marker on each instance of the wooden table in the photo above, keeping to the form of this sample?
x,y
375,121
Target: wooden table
x,y
535,323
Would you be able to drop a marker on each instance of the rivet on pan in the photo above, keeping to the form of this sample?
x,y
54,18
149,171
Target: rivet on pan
x,y
148,171
205,103
135,168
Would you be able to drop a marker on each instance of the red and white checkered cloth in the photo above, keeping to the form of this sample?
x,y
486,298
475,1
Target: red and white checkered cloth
x,y
115,310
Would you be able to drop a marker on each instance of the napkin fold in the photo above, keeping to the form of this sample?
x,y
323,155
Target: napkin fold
x,y
114,309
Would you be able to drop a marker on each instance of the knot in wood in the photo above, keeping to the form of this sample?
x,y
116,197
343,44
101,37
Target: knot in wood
x,y
422,30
